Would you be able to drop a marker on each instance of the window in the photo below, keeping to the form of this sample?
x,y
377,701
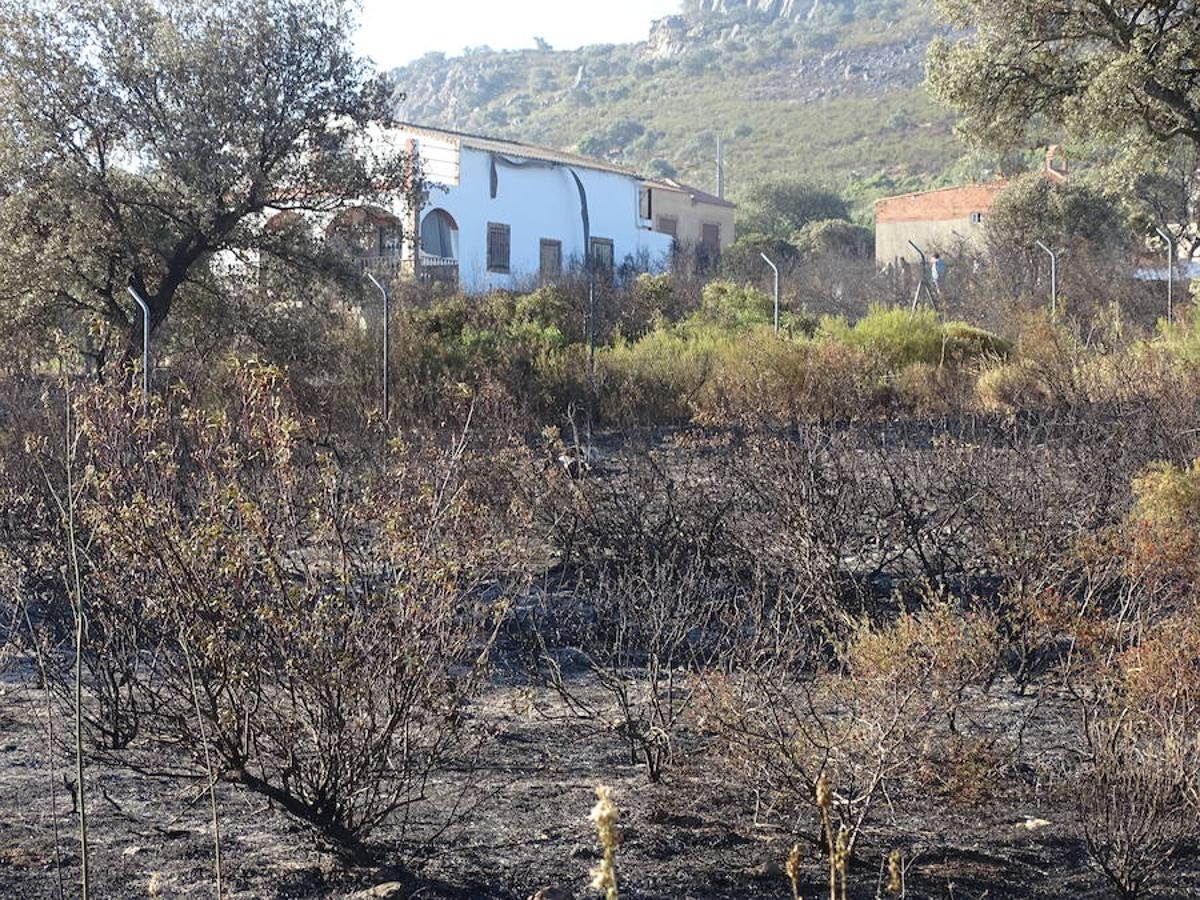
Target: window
x,y
498,243
602,256
976,218
668,225
646,203
551,258
710,238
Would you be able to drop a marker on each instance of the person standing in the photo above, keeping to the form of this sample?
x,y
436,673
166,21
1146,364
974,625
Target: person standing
x,y
937,272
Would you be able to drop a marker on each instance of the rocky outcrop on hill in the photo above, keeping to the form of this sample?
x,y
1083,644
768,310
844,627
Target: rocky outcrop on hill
x,y
784,9
754,71
668,39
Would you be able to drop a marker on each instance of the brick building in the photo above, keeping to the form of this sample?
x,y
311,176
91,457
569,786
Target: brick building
x,y
946,221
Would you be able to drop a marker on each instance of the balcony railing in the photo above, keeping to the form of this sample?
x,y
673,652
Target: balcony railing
x,y
433,268
380,264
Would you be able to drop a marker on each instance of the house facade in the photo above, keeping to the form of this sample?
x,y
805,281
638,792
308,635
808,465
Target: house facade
x,y
694,218
506,215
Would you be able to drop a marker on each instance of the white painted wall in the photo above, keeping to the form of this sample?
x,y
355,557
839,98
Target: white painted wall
x,y
537,202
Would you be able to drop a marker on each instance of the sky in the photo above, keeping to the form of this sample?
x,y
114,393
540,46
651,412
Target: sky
x,y
394,32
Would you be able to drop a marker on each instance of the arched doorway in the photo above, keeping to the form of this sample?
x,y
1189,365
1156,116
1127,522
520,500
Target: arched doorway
x,y
439,236
439,247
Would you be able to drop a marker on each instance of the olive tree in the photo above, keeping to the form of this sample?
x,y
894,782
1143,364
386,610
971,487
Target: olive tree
x,y
1106,69
780,207
143,141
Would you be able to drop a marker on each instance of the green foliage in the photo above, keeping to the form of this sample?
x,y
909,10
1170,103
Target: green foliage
x,y
744,92
1182,338
1035,208
895,336
652,380
1168,496
175,141
781,207
721,362
612,139
837,237
735,307
743,258
517,343
660,168
652,302
1116,74
968,342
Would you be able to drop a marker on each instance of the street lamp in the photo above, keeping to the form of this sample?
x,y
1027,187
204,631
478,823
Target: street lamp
x,y
145,307
387,342
775,269
1053,277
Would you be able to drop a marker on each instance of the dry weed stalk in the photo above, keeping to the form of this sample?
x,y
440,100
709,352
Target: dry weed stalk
x,y
895,870
838,846
793,869
606,815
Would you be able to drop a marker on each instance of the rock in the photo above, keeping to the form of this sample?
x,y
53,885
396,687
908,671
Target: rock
x,y
1032,824
393,890
551,893
131,851
579,851
668,38
766,871
781,9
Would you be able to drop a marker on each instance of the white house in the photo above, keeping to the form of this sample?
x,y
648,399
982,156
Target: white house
x,y
504,214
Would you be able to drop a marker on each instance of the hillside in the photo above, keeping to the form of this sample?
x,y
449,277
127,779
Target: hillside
x,y
823,88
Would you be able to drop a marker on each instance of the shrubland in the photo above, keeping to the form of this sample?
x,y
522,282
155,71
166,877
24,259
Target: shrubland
x,y
865,583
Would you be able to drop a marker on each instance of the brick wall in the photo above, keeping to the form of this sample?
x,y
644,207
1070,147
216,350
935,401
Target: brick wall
x,y
939,206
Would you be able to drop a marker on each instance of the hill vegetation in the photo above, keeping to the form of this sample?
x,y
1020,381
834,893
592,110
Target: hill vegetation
x,y
828,90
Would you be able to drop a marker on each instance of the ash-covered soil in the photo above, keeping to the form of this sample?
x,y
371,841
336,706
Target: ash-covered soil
x,y
520,822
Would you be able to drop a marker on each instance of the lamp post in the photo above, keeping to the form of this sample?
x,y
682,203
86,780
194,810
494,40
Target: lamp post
x,y
387,343
145,307
1170,273
775,269
1053,277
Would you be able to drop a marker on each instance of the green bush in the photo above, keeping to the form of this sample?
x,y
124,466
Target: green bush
x,y
735,307
722,363
743,258
512,342
896,337
1182,339
835,236
893,337
654,379
652,302
763,379
780,207
965,341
